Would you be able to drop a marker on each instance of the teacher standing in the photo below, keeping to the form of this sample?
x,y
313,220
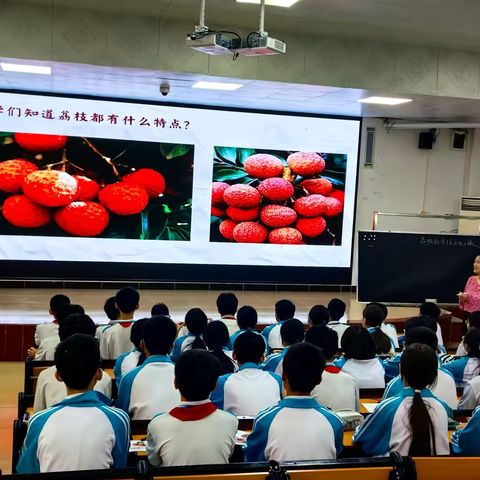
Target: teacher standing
x,y
469,300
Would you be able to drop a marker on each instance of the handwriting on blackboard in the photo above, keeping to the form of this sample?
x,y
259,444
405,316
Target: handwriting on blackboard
x,y
445,242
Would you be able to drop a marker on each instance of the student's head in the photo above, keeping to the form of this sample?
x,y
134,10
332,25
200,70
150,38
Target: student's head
x,y
303,367
336,309
419,369
318,315
196,374
373,318
421,321
127,300
382,306
324,338
76,323
471,342
227,303
196,321
249,347
137,332
423,336
216,338
284,310
358,344
159,333
473,320
68,309
56,302
247,318
78,362
160,309
430,309
110,308
292,332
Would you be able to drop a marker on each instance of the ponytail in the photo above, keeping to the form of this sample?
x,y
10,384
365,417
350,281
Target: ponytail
x,y
142,358
198,344
421,426
225,361
196,321
216,338
383,345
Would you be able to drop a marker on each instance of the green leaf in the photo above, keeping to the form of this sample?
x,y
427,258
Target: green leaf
x,y
6,134
227,153
283,160
170,150
243,154
175,234
335,181
225,174
166,208
144,219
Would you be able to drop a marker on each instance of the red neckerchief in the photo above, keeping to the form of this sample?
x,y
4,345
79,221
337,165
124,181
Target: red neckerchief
x,y
126,325
55,321
228,317
332,369
191,413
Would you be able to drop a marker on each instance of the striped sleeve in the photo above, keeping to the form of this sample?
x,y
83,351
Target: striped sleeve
x,y
465,440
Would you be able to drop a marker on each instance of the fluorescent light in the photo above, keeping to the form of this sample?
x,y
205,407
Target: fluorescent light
x,y
385,100
275,3
217,86
13,67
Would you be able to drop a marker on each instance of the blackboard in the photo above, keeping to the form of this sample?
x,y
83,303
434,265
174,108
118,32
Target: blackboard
x,y
411,267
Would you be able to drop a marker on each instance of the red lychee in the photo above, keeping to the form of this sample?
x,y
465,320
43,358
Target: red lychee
x,y
87,188
242,196
227,227
250,232
311,227
12,174
263,165
150,180
289,236
333,207
243,214
123,198
322,186
276,189
306,163
50,188
339,195
219,211
217,192
278,216
311,206
20,211
83,219
39,143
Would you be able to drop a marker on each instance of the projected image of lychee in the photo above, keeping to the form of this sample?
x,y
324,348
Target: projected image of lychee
x,y
277,197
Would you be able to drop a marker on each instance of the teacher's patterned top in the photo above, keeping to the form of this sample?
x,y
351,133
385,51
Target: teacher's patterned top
x,y
472,289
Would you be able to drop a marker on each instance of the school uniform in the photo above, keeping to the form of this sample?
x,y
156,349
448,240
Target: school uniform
x,y
340,328
274,362
471,395
243,330
296,429
194,433
115,340
148,390
183,332
125,362
338,390
80,433
439,335
461,352
50,391
231,322
463,369
392,345
388,428
392,367
248,391
272,336
391,331
45,330
368,373
466,440
182,344
47,347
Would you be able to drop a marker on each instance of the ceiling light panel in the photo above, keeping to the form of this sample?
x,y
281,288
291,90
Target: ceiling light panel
x,y
217,86
274,3
13,67
385,100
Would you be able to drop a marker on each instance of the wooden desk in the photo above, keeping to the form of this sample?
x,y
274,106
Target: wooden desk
x,y
110,372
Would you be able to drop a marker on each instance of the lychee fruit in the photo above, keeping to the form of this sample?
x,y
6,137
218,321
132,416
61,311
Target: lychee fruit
x,y
150,180
217,192
219,211
124,198
311,206
339,195
242,196
276,189
278,216
311,227
87,188
263,165
39,143
50,188
83,219
322,186
306,163
226,228
250,232
333,207
287,235
12,174
243,214
20,211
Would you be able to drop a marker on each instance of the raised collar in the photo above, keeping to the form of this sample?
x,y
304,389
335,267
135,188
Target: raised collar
x,y
249,365
192,411
228,317
91,398
299,402
158,359
410,392
333,322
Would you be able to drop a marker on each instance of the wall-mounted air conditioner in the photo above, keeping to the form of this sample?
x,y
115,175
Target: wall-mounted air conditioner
x,y
470,208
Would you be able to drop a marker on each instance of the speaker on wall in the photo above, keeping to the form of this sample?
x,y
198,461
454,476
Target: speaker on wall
x,y
459,138
426,140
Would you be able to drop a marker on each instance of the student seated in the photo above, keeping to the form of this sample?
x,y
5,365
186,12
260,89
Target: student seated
x,y
160,309
359,358
113,314
444,387
250,390
387,328
338,390
216,340
414,422
473,321
298,428
465,441
148,390
336,311
81,432
291,332
431,309
195,321
373,321
247,318
49,390
471,395
195,432
284,310
227,304
116,338
318,315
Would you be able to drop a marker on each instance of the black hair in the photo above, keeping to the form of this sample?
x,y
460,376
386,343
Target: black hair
x,y
472,339
160,309
421,321
227,303
77,360
382,306
303,366
474,320
137,333
431,309
284,309
58,301
292,331
419,367
319,315
324,338
127,299
76,323
159,334
196,321
197,372
110,309
422,335
336,309
247,318
68,309
374,317
249,347
358,344
216,337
